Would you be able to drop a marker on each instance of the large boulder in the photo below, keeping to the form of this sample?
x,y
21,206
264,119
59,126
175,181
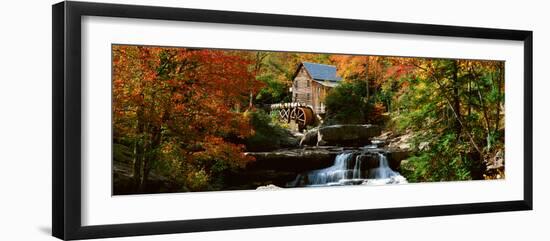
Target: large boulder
x,y
272,140
402,142
346,135
310,138
294,160
394,157
289,140
281,166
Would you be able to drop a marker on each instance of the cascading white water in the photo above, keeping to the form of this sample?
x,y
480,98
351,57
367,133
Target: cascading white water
x,y
336,174
344,170
383,174
383,171
348,170
357,169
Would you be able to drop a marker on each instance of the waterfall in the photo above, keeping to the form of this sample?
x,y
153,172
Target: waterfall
x,y
335,174
357,169
383,174
348,170
383,171
344,171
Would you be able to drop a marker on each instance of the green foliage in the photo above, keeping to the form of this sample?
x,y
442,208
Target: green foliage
x,y
454,110
122,153
445,160
274,91
268,134
346,104
197,180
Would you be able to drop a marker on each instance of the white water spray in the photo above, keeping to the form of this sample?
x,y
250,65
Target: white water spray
x,y
383,174
348,170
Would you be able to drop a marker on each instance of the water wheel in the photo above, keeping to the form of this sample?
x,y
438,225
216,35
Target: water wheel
x,y
303,117
292,114
283,114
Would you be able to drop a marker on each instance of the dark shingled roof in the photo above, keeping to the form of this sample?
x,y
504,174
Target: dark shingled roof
x,y
322,71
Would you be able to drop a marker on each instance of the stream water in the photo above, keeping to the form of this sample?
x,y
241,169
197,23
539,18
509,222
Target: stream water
x,y
350,169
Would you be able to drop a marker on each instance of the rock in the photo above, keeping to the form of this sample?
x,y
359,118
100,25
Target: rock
x,y
497,162
395,156
298,135
295,160
123,181
281,166
424,146
385,135
378,143
268,187
279,139
310,138
290,140
346,135
370,160
401,142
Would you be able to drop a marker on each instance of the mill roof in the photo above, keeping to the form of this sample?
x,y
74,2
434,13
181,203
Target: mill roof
x,y
321,72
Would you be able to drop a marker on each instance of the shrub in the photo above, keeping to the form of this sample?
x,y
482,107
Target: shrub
x,y
268,134
348,104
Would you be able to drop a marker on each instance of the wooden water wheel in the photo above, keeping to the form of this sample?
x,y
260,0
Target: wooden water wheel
x,y
300,113
283,114
303,116
292,114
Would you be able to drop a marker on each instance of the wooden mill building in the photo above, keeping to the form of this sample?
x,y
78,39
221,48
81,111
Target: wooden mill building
x,y
311,84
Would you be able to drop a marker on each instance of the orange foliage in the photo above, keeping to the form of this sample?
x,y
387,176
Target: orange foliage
x,y
193,95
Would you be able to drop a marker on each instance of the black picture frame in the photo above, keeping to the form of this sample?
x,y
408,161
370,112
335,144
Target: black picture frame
x,y
66,153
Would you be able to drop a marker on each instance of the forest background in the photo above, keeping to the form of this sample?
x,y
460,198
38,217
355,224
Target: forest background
x,y
189,115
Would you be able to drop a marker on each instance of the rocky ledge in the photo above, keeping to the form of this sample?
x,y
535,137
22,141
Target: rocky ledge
x,y
295,160
282,166
341,135
311,158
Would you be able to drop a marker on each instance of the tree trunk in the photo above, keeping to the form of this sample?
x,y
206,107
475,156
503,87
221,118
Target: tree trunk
x,y
367,78
147,163
469,97
250,104
154,150
138,150
456,98
500,82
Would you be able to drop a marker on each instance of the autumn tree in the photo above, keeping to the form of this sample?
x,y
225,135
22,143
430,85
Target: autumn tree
x,y
175,108
453,107
358,98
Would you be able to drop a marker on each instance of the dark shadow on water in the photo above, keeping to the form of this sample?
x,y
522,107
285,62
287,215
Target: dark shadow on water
x,y
45,230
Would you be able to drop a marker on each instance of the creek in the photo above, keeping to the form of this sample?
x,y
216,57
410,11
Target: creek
x,y
366,166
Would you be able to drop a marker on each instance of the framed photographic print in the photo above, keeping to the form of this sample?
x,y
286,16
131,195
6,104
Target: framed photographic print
x,y
170,120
